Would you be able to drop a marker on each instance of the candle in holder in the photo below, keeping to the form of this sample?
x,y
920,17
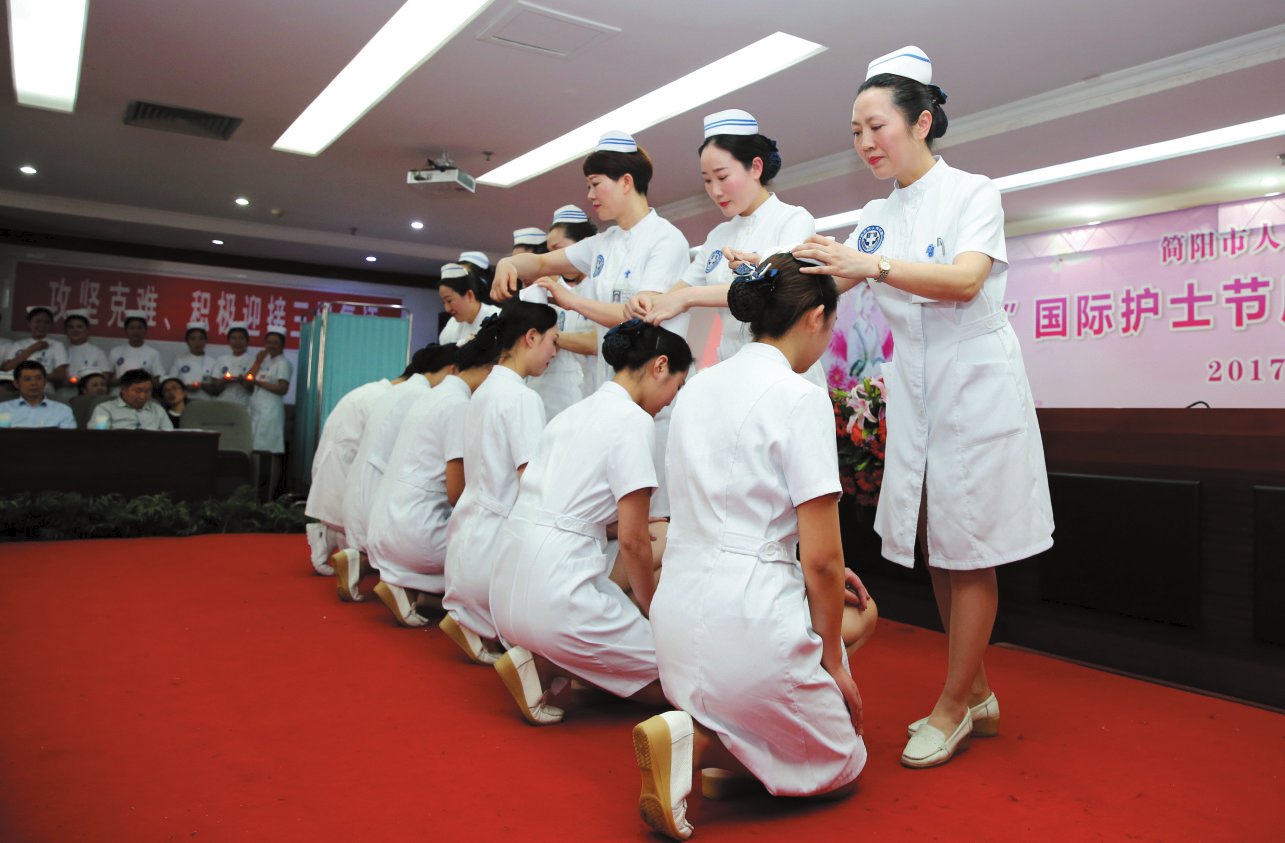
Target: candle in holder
x,y
249,376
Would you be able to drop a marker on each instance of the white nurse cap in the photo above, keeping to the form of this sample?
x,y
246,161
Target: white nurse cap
x,y
279,330
452,270
197,326
911,62
137,314
569,214
733,121
616,141
76,314
529,237
478,259
239,326
33,308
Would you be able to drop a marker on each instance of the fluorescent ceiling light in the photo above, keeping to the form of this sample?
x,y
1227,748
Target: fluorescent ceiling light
x,y
46,41
412,35
1256,130
749,64
27,169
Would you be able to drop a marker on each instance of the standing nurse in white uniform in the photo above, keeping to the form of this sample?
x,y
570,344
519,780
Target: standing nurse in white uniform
x,y
269,377
965,465
459,292
751,617
737,163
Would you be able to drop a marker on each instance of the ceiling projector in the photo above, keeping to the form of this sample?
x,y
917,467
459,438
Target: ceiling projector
x,y
442,176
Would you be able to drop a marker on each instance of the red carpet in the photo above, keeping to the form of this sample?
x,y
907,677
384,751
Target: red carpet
x,y
212,688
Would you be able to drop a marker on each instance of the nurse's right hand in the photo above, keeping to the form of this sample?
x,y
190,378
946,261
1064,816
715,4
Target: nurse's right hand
x,y
505,285
639,305
851,696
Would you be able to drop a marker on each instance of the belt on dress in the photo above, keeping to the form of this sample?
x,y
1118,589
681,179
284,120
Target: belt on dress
x,y
765,550
980,327
488,502
569,524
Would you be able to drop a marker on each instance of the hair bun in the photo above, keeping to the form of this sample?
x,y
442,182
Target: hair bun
x,y
748,297
619,340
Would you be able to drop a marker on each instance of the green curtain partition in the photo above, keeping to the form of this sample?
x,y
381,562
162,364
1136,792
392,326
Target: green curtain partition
x,y
338,352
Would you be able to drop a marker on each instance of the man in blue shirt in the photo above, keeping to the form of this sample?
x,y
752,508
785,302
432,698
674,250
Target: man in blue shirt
x,y
32,408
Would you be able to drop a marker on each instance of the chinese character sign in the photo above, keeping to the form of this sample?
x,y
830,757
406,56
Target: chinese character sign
x,y
1157,311
171,302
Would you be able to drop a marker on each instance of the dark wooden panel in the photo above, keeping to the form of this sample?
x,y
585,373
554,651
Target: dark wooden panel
x,y
1125,545
1269,564
98,462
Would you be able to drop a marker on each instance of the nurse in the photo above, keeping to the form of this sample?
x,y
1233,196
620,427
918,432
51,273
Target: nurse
x,y
431,364
752,620
502,425
641,251
82,354
136,353
480,265
738,163
336,448
196,369
48,352
269,377
551,592
562,384
459,292
229,382
965,466
424,480
529,241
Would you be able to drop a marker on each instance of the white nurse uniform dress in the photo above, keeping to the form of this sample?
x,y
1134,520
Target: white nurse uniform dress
x,y
961,418
372,455
267,409
410,512
551,590
502,425
336,448
750,441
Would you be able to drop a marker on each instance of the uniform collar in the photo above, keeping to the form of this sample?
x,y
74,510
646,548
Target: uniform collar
x,y
505,373
613,388
768,353
926,182
44,402
455,382
761,212
642,224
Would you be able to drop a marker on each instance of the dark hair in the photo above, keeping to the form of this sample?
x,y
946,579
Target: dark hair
x,y
72,316
745,148
577,231
204,333
27,365
134,376
482,350
777,295
912,98
230,332
461,286
32,313
631,345
81,383
540,249
174,378
125,324
433,358
616,165
517,317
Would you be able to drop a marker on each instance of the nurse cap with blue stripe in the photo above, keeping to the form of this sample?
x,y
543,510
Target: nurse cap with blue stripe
x,y
569,214
911,62
453,270
616,141
529,237
733,121
478,259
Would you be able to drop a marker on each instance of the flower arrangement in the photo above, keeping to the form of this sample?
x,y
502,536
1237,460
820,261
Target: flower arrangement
x,y
861,427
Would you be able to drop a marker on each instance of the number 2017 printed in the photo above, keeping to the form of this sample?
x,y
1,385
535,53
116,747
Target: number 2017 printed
x,y
1253,369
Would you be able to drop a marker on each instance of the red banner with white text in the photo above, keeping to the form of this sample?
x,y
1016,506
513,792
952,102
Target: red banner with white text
x,y
171,301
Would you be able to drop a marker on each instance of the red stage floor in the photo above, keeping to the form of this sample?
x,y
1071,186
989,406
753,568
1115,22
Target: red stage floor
x,y
214,689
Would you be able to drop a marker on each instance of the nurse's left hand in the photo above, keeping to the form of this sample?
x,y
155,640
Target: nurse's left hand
x,y
558,294
735,257
665,307
854,592
836,259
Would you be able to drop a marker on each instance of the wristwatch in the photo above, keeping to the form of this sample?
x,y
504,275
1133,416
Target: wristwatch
x,y
884,268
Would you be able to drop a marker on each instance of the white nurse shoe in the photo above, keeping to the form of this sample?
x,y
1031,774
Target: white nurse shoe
x,y
517,668
930,747
985,719
347,563
467,641
398,602
663,748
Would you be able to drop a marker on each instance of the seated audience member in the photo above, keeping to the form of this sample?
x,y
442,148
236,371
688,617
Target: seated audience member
x,y
135,354
134,408
39,348
32,408
91,381
81,354
174,397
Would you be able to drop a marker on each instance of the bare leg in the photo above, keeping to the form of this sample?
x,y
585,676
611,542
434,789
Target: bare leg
x,y
708,751
859,625
974,598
